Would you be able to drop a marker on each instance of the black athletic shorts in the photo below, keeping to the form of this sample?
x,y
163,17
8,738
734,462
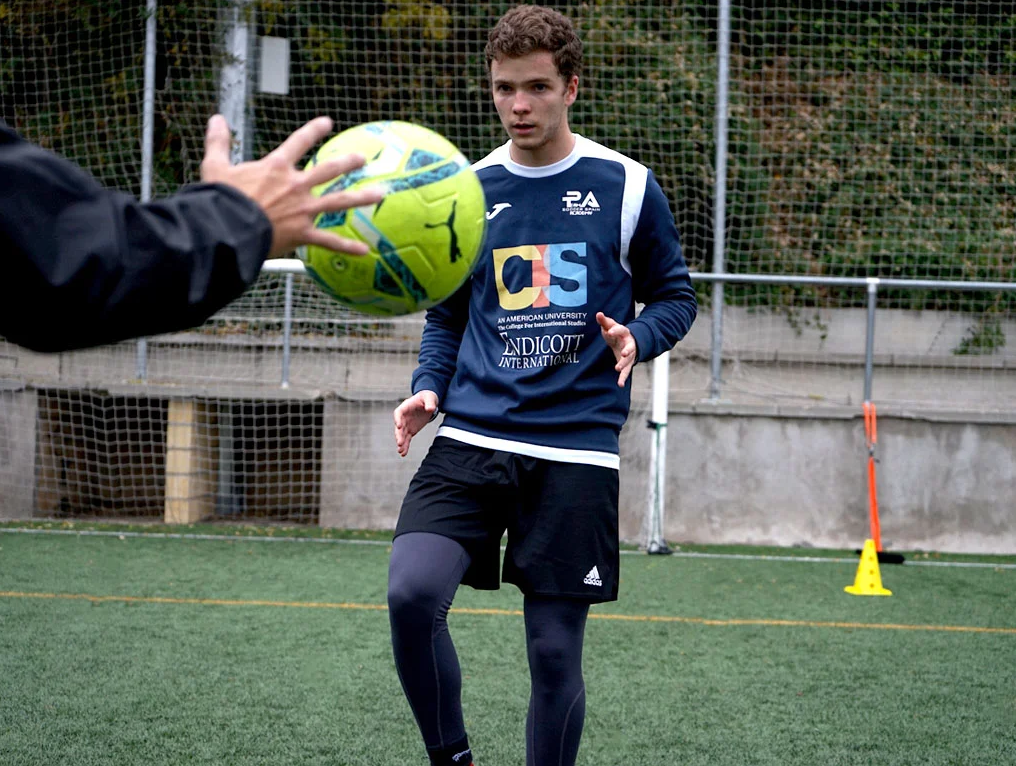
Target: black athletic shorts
x,y
561,518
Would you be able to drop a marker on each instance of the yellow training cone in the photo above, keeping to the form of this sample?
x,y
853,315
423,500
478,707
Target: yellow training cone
x,y
868,581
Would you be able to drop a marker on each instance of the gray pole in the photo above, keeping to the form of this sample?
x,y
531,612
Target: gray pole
x,y
869,342
287,330
235,76
148,104
235,22
719,210
147,140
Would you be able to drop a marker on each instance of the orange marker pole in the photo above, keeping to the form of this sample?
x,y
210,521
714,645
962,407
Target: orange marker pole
x,y
871,436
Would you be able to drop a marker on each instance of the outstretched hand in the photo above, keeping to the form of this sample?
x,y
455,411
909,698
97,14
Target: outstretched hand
x,y
411,416
284,192
621,342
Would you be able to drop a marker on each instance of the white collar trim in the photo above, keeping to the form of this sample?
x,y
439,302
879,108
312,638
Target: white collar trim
x,y
543,171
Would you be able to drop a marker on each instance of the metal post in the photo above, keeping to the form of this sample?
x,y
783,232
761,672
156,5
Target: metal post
x,y
235,76
147,154
235,22
720,205
869,343
287,330
658,454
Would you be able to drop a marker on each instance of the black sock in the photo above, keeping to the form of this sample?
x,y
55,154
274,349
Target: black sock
x,y
456,754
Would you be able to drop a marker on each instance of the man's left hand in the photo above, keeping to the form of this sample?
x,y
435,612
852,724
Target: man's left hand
x,y
621,342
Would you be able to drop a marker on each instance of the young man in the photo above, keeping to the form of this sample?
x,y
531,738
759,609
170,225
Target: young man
x,y
529,362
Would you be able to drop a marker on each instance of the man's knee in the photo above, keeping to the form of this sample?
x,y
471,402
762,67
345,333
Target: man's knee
x,y
410,598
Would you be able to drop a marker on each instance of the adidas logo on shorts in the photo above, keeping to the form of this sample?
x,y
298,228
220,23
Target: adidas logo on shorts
x,y
593,578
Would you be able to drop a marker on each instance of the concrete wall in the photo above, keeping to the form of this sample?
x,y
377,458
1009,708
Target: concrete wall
x,y
18,414
737,476
733,476
364,488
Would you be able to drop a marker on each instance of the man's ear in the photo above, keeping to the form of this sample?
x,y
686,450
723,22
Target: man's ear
x,y
571,90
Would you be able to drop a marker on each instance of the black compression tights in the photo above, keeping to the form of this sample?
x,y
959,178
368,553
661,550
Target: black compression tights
x,y
424,574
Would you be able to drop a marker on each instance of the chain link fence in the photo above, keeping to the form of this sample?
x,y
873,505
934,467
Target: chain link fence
x,y
806,147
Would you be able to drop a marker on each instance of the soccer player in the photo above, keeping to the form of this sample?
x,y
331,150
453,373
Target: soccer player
x,y
86,265
529,363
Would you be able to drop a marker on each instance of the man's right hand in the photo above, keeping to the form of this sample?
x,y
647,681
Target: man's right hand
x,y
286,193
411,416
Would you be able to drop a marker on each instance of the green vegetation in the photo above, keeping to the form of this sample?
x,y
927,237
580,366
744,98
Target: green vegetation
x,y
866,139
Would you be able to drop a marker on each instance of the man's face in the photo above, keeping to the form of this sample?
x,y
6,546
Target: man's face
x,y
532,100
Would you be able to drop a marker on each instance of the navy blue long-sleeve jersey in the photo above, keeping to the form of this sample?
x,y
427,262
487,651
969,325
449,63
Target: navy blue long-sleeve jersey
x,y
516,356
86,265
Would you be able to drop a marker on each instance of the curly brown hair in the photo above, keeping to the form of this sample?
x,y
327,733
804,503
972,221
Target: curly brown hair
x,y
528,28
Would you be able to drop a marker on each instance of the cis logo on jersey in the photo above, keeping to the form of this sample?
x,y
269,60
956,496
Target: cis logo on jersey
x,y
524,272
575,203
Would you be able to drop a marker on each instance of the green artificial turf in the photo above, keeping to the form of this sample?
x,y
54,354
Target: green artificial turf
x,y
122,649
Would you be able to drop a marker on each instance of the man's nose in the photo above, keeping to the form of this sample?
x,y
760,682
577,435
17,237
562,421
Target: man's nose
x,y
520,104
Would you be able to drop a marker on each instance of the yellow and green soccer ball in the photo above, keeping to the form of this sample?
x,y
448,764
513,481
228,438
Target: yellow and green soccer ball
x,y
424,236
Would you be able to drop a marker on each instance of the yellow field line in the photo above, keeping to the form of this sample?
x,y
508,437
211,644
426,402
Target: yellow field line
x,y
510,613
200,601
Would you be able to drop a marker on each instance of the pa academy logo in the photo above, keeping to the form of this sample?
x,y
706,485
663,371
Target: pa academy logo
x,y
577,204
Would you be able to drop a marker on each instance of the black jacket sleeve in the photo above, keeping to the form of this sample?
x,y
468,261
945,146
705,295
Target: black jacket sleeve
x,y
85,265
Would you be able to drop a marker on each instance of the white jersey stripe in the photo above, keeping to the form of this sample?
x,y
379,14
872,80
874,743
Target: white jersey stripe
x,y
636,176
557,454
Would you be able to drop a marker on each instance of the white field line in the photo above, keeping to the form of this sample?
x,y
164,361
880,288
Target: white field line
x,y
345,541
